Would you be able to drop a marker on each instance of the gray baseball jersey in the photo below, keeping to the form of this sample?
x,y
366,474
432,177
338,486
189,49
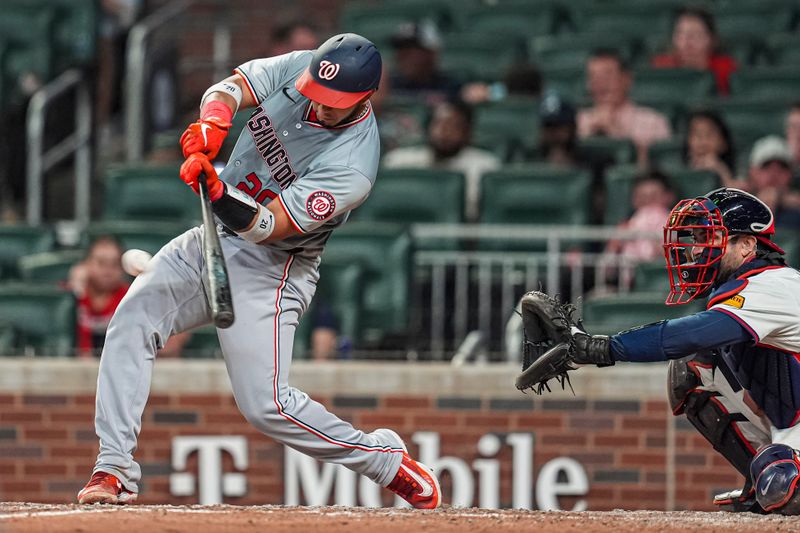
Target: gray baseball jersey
x,y
317,174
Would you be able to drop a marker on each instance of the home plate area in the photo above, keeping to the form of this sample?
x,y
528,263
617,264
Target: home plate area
x,y
32,517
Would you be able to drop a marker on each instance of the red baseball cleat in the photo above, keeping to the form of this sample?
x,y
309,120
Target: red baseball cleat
x,y
105,488
416,484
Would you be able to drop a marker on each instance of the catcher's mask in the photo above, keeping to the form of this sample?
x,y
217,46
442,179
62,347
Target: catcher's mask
x,y
695,238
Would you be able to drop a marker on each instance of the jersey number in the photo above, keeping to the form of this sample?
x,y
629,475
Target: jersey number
x,y
253,186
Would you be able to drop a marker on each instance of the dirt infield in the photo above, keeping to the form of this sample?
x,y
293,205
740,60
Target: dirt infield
x,y
31,517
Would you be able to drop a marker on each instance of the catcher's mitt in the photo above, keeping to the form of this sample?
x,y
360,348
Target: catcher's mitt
x,y
548,341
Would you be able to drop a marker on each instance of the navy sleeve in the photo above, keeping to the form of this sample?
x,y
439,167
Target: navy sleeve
x,y
673,339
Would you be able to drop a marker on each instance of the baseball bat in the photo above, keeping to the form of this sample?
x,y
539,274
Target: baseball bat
x,y
219,287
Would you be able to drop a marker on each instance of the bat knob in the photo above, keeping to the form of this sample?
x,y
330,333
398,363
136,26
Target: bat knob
x,y
223,320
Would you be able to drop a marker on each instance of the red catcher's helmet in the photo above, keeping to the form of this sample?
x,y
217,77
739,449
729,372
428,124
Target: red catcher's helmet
x,y
344,69
695,238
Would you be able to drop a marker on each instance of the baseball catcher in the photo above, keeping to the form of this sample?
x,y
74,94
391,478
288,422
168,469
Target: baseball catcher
x,y
734,368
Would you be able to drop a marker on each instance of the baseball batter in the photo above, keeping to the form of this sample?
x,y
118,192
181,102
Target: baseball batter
x,y
307,156
734,368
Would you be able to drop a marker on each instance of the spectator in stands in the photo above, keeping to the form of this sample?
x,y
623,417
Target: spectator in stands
x,y
652,198
99,284
708,145
613,114
522,80
793,135
448,148
416,72
291,36
770,178
695,45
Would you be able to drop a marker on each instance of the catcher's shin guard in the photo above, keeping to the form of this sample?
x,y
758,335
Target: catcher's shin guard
x,y
709,412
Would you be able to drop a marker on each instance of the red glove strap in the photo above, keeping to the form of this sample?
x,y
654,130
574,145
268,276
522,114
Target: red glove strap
x,y
216,110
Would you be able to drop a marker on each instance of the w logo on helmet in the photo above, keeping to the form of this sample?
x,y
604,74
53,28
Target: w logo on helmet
x,y
328,70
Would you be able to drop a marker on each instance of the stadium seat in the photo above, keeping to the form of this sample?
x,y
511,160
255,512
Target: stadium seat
x,y
671,86
144,235
666,154
514,119
608,315
534,194
755,18
384,250
149,193
572,50
783,49
27,32
520,19
766,84
749,120
438,196
618,184
621,17
17,241
689,183
619,181
43,318
621,151
569,82
203,344
340,288
379,21
651,277
479,59
48,267
7,340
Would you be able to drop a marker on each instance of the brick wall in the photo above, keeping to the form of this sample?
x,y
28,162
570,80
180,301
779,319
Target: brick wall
x,y
47,443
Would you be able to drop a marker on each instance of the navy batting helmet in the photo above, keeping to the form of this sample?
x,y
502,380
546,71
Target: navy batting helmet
x,y
344,69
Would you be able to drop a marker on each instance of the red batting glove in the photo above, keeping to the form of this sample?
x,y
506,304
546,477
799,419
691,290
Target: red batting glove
x,y
191,169
204,136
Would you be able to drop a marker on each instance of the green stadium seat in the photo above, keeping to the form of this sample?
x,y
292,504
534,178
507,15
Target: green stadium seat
x,y
384,250
43,318
379,22
513,119
149,193
666,154
7,340
438,197
608,315
569,82
19,240
479,59
749,121
671,85
520,19
621,17
783,49
203,344
27,32
572,50
535,194
651,277
766,84
48,267
621,151
143,235
619,185
755,18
